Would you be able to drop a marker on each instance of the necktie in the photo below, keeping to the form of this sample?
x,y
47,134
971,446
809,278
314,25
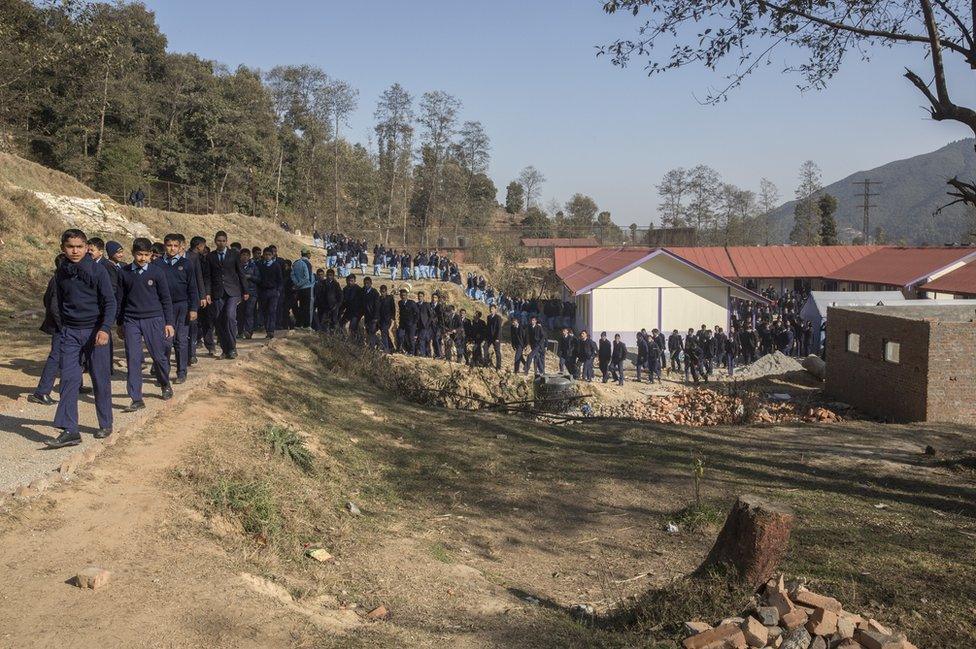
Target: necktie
x,y
220,256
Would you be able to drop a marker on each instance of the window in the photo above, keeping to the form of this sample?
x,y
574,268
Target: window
x,y
853,342
892,351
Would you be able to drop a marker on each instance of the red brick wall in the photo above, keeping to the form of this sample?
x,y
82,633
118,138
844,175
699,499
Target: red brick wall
x,y
935,379
891,391
952,372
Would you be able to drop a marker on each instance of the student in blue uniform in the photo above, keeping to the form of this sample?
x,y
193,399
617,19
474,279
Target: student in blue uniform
x,y
86,304
182,281
271,281
246,309
51,326
145,316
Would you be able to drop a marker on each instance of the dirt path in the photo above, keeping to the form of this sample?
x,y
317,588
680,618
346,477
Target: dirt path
x,y
165,590
25,426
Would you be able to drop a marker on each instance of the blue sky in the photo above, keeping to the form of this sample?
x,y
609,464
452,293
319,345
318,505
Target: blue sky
x,y
528,71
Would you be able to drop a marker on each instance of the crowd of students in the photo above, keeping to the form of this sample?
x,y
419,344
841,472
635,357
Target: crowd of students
x,y
176,296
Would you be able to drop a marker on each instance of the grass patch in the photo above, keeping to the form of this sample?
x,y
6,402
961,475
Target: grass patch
x,y
698,516
440,553
287,443
251,501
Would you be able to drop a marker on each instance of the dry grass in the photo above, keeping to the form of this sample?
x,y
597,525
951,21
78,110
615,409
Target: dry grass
x,y
30,175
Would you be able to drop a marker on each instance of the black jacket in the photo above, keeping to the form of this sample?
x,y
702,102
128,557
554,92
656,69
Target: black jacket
x,y
223,278
536,336
494,328
619,352
387,311
605,350
352,301
585,349
270,276
408,313
517,335
371,304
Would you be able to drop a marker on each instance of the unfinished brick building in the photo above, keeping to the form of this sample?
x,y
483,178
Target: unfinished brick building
x,y
904,363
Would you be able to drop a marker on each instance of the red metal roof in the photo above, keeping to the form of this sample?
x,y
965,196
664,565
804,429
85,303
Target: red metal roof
x,y
584,242
961,280
600,265
767,262
900,266
562,257
712,258
606,263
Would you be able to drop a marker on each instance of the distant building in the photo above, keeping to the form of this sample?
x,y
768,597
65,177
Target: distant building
x,y
543,247
905,363
904,269
814,310
624,290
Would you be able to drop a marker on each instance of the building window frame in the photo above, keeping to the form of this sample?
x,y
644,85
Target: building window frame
x,y
891,351
853,342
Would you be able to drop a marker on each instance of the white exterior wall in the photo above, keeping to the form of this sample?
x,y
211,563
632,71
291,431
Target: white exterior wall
x,y
663,293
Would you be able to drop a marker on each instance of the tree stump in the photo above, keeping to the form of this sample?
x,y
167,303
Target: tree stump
x,y
753,540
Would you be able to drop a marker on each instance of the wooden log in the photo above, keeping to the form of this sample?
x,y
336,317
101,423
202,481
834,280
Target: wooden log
x,y
753,540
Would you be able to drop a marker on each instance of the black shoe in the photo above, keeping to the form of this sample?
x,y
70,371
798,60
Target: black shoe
x,y
64,439
231,355
85,390
211,352
193,360
43,399
167,393
269,336
102,433
134,406
179,379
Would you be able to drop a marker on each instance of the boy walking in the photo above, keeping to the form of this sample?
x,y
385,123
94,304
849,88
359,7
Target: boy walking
x,y
145,316
86,305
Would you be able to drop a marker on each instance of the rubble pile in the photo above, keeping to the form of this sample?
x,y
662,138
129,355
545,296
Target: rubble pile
x,y
704,407
773,364
794,618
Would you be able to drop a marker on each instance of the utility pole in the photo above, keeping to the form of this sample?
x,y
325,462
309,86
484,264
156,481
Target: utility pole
x,y
867,195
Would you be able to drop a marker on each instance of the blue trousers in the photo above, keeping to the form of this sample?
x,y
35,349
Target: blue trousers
x,y
76,351
245,311
180,343
225,314
51,367
150,331
269,298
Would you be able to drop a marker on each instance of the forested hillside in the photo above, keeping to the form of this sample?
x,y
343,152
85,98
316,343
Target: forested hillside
x,y
89,89
910,193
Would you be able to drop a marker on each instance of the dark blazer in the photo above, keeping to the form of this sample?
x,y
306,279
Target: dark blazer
x,y
605,350
223,279
494,328
619,352
517,335
387,310
371,304
197,260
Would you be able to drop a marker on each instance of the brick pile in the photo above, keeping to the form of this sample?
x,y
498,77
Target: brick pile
x,y
705,407
794,618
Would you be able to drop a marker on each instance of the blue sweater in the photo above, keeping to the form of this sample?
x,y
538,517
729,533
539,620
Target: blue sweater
x,y
144,295
182,280
86,298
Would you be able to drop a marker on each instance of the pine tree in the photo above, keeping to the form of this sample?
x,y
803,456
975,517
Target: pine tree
x,y
827,206
514,197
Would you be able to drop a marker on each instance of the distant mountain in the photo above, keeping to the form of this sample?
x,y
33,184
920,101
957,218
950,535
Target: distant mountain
x,y
911,191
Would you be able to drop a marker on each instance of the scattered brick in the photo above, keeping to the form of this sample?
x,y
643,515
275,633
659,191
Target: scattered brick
x,y
822,622
718,638
795,618
92,577
755,632
813,600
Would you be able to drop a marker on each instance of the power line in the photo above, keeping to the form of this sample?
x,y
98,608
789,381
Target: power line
x,y
867,195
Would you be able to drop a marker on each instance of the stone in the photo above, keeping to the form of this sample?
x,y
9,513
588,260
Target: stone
x,y
755,632
582,611
696,626
870,639
775,632
813,600
845,627
92,577
731,620
319,554
779,600
25,491
718,638
798,638
795,618
753,539
818,643
353,509
822,622
848,643
768,615
378,613
874,625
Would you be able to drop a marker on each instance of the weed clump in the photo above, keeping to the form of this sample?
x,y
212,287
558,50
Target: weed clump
x,y
288,444
252,501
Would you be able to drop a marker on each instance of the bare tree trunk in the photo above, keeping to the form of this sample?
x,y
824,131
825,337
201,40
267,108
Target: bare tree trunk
x,y
101,120
281,156
337,171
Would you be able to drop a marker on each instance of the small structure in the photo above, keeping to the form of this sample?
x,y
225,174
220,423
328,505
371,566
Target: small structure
x,y
815,308
543,247
960,283
624,290
910,362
